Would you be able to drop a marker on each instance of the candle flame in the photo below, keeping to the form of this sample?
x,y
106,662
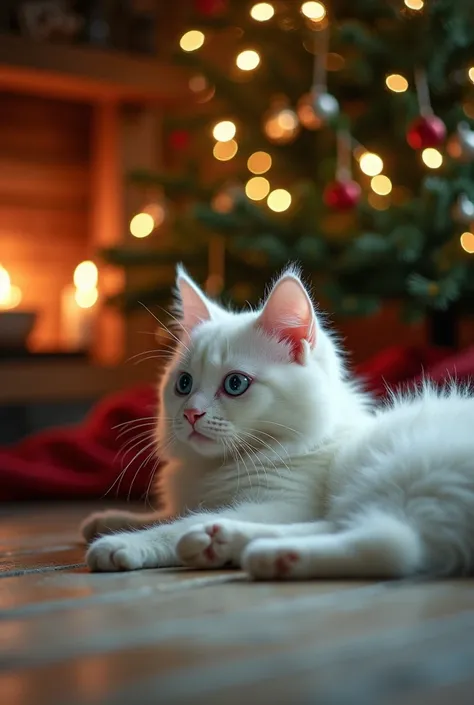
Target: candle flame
x,y
10,296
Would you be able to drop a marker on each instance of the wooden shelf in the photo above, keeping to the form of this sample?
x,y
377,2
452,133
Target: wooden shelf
x,y
28,381
88,74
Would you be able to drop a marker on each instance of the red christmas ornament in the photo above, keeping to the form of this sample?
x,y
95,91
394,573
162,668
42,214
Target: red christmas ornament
x,y
210,8
342,195
426,131
179,140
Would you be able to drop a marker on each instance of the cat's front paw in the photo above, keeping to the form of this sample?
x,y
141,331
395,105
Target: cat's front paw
x,y
271,560
114,553
102,523
212,545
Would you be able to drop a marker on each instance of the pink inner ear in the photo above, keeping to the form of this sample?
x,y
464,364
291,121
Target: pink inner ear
x,y
289,314
194,307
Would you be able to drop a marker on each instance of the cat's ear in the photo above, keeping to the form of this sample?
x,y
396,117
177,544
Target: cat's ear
x,y
192,304
288,314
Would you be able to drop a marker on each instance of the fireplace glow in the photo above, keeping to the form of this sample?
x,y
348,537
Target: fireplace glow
x,y
10,295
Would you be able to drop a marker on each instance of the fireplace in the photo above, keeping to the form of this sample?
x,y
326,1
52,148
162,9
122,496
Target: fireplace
x,y
73,122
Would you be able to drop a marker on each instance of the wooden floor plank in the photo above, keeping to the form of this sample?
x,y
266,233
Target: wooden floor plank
x,y
179,636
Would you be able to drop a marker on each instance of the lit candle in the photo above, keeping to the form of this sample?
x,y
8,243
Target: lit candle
x,y
78,308
10,295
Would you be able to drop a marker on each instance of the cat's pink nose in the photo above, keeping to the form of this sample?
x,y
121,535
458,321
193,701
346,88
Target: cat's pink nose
x,y
192,415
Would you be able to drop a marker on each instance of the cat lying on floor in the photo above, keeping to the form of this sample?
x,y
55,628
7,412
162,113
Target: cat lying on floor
x,y
279,463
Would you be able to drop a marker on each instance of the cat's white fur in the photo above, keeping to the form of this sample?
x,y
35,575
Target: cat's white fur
x,y
301,476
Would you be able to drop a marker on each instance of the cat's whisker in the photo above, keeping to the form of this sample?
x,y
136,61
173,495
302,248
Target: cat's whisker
x,y
267,445
180,324
132,442
282,425
132,421
259,451
165,328
142,464
145,424
245,447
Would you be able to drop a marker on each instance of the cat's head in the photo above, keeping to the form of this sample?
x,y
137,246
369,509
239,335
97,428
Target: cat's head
x,y
239,382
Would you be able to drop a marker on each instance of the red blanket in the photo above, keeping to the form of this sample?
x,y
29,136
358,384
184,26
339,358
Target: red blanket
x,y
86,461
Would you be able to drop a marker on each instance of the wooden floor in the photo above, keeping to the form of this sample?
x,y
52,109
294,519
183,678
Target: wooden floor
x,y
164,636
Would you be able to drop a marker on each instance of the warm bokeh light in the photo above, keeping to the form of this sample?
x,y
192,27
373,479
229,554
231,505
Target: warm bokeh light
x,y
432,157
281,125
377,202
86,275
248,60
192,40
86,298
222,202
414,4
371,164
223,151
142,225
314,11
381,184
467,242
279,200
396,83
470,73
224,131
198,83
262,11
257,188
10,295
259,162
157,211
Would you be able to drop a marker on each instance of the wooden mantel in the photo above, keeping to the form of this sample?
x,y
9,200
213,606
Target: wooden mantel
x,y
88,74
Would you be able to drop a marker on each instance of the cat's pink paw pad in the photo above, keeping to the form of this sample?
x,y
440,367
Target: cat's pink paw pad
x,y
264,562
205,546
284,563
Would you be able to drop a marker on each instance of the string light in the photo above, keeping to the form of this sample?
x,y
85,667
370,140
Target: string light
x,y
192,40
257,188
262,11
381,185
224,131
142,225
467,242
432,158
223,151
279,200
314,11
259,162
371,164
86,275
414,4
470,73
396,83
248,60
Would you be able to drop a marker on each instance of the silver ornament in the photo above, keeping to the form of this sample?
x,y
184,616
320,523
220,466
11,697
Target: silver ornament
x,y
325,106
463,210
461,144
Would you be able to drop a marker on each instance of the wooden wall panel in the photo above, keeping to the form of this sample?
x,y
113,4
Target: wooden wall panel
x,y
45,186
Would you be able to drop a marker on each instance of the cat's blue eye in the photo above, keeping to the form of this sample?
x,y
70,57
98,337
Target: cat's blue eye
x,y
184,384
236,384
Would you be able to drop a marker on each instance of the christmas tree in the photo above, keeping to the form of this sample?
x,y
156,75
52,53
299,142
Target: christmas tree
x,y
336,134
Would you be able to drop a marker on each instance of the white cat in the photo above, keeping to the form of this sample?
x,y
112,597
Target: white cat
x,y
277,461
